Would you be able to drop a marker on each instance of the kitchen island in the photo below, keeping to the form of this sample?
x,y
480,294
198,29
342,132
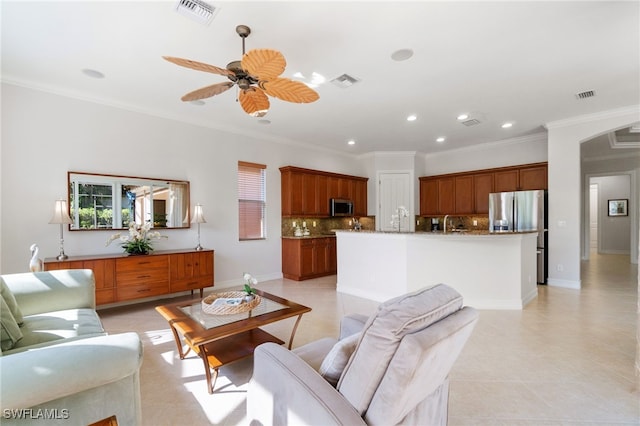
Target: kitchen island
x,y
491,271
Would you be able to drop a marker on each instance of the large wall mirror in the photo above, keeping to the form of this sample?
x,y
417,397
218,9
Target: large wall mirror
x,y
98,201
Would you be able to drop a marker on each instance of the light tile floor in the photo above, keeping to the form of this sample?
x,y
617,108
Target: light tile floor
x,y
566,359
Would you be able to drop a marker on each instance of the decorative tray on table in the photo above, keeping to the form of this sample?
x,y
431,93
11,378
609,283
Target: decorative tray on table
x,y
229,302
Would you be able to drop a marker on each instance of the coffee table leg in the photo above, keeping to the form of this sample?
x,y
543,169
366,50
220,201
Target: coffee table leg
x,y
293,332
176,336
211,379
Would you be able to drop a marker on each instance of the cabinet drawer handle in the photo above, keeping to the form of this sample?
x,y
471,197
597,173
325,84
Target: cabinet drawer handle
x,y
144,262
144,276
144,290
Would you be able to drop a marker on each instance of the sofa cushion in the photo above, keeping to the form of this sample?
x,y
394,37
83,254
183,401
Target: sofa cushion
x,y
50,327
10,300
10,332
336,360
382,334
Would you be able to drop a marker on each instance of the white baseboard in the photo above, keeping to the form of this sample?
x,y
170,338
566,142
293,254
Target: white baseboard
x,y
614,252
556,282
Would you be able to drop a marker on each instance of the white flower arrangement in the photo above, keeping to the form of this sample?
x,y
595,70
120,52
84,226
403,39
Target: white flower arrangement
x,y
138,240
401,212
249,281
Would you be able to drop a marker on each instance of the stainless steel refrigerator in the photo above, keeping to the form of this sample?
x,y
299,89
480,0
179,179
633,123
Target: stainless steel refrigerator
x,y
521,211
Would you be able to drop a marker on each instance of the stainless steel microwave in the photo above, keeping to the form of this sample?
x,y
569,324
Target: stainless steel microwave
x,y
339,207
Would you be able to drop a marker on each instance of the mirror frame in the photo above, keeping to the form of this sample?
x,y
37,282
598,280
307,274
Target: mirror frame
x,y
118,181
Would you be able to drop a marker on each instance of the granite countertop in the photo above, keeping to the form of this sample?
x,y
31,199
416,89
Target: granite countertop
x,y
305,237
441,233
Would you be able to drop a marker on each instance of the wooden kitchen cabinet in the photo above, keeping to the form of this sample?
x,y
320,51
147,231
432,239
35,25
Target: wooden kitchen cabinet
x,y
428,196
122,278
468,192
307,192
463,190
309,257
446,195
482,187
530,178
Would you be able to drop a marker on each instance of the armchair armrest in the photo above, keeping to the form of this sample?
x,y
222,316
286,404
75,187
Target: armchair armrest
x,y
46,374
286,390
351,324
40,292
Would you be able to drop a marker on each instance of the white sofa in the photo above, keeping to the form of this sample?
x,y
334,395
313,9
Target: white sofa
x,y
59,366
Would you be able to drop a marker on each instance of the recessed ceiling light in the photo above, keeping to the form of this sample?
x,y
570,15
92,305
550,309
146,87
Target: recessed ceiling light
x,y
507,125
402,54
463,117
351,142
440,139
92,73
412,117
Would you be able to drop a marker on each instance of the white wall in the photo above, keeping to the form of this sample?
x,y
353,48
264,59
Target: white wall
x,y
615,231
523,150
45,135
565,187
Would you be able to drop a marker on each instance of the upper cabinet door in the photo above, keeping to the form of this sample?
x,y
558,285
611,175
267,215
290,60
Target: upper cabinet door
x,y
446,195
482,187
505,181
533,178
464,194
428,197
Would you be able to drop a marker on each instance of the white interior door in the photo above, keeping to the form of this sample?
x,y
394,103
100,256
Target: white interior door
x,y
394,191
593,216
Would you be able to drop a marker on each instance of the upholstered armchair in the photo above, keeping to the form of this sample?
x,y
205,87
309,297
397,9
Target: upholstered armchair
x,y
392,368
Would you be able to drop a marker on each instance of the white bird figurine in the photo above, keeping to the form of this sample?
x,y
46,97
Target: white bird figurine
x,y
35,264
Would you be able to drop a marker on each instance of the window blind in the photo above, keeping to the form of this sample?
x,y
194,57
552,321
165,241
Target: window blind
x,y
251,200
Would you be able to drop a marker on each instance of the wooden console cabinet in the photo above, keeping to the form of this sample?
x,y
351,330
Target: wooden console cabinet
x,y
310,257
120,277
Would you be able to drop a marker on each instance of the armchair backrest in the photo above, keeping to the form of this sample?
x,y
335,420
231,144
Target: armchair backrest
x,y
399,370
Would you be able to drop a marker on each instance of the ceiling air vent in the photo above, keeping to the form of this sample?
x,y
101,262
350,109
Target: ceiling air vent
x,y
344,81
471,122
197,10
586,94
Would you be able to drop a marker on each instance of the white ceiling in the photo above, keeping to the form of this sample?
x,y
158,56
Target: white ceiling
x,y
520,62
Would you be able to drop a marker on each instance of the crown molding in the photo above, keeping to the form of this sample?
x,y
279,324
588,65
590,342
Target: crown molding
x,y
587,118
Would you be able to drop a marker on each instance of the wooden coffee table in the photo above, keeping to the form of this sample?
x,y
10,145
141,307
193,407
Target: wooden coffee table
x,y
221,339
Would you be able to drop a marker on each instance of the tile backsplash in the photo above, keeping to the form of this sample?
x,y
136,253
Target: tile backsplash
x,y
466,222
324,226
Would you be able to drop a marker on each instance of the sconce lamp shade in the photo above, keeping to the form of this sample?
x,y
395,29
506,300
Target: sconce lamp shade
x,y
198,215
60,213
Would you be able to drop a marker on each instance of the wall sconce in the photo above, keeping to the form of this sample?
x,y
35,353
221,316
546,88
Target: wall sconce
x,y
61,217
198,217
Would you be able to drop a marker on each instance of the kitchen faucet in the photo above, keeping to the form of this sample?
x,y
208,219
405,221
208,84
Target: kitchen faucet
x,y
445,222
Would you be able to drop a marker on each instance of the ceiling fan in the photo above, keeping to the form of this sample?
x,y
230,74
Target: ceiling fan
x,y
256,76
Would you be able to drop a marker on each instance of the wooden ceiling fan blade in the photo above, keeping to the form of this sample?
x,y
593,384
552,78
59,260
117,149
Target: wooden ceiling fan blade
x,y
199,66
289,90
208,91
254,102
265,64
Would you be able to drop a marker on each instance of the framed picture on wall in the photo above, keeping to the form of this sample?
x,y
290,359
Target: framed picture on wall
x,y
618,207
